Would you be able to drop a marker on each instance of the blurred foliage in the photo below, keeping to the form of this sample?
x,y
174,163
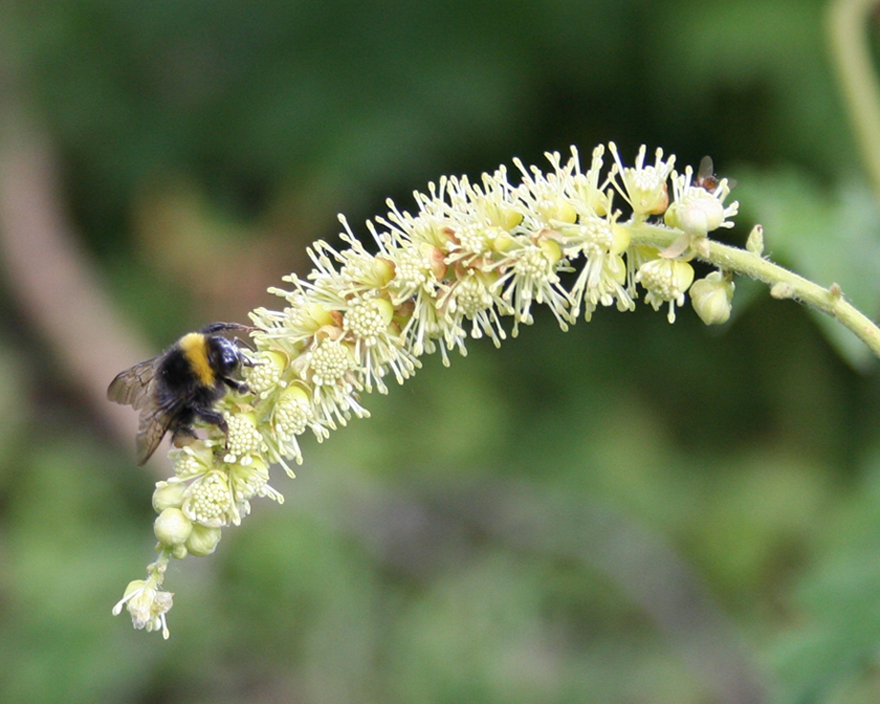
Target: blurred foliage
x,y
204,144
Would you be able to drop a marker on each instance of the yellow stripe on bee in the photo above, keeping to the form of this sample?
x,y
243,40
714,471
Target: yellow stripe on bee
x,y
193,347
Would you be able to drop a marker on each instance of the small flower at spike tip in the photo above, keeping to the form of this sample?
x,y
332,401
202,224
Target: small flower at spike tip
x,y
147,605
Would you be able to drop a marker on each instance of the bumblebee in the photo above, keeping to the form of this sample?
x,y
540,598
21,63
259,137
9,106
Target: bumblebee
x,y
181,386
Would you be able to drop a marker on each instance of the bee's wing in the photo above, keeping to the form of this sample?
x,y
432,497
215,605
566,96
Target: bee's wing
x,y
134,386
706,170
154,423
157,417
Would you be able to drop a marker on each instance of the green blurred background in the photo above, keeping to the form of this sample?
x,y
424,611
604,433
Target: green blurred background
x,y
630,512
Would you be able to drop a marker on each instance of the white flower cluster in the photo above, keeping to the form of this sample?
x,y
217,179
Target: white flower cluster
x,y
469,257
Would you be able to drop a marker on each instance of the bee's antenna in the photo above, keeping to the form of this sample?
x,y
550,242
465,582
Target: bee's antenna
x,y
221,327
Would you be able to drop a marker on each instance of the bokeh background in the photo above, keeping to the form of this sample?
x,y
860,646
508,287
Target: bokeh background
x,y
630,512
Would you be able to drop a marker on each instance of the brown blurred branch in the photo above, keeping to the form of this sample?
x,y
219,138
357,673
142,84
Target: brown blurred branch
x,y
52,279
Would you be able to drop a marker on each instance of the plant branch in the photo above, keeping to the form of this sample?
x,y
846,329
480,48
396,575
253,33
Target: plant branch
x,y
783,283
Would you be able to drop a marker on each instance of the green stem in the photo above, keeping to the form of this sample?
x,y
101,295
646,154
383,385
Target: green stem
x,y
783,283
848,22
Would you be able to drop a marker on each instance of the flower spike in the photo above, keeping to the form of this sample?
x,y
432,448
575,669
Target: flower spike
x,y
472,255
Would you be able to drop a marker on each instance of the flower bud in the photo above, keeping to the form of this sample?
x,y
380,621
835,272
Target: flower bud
x,y
621,239
172,527
755,242
383,271
558,209
711,298
203,540
671,216
384,308
782,290
502,242
319,315
168,495
509,218
551,249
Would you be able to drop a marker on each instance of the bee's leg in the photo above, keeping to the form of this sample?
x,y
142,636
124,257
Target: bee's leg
x,y
238,386
246,343
214,418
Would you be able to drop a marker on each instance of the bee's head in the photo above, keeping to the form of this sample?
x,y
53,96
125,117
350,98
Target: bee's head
x,y
223,355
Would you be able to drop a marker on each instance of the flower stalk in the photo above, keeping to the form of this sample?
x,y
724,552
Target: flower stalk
x,y
471,258
783,283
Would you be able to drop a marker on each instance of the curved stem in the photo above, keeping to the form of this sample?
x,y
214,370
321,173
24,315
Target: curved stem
x,y
783,283
848,44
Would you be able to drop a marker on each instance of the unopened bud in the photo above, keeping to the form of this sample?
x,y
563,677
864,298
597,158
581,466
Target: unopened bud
x,y
782,290
712,298
622,239
551,249
755,242
203,540
172,527
168,496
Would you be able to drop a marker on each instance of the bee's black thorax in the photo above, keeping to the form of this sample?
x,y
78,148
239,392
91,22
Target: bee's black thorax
x,y
190,367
